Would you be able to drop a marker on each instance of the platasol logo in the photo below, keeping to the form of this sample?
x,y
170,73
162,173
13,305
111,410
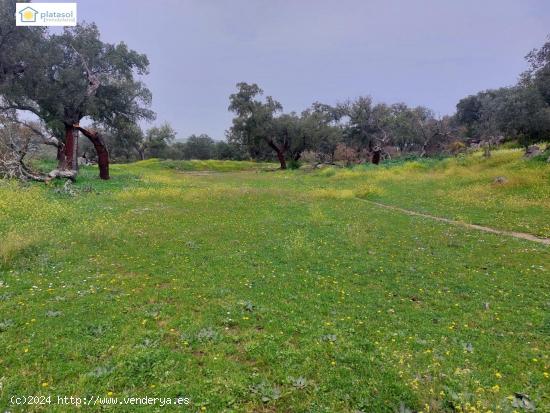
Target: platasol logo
x,y
45,14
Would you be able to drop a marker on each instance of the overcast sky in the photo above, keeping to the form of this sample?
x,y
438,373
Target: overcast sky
x,y
421,52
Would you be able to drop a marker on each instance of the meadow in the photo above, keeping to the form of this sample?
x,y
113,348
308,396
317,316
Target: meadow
x,y
252,290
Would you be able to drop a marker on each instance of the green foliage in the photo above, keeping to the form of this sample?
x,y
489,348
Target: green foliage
x,y
255,125
17,44
538,74
521,112
199,147
157,140
525,115
258,127
321,128
55,84
366,122
292,164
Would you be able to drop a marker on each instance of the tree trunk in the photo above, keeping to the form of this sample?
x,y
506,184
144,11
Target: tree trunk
x,y
281,158
67,161
101,150
140,151
61,160
376,156
280,153
75,151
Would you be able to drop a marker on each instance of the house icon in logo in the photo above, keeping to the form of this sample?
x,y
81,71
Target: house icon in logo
x,y
28,15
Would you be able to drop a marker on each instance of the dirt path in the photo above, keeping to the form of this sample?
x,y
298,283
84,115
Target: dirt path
x,y
521,235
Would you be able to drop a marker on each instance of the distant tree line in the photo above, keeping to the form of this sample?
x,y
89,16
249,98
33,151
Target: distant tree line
x,y
361,130
355,130
520,112
68,79
133,144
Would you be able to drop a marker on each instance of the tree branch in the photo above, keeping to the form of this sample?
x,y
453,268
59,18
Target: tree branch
x,y
93,80
47,140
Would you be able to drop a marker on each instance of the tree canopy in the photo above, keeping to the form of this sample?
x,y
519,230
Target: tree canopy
x,y
64,78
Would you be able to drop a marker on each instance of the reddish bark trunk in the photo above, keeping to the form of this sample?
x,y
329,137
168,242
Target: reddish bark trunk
x,y
101,150
70,148
279,152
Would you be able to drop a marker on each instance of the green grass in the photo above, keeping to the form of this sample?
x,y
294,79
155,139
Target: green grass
x,y
208,165
262,292
464,189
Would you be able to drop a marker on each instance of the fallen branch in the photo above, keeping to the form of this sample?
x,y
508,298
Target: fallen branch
x,y
15,145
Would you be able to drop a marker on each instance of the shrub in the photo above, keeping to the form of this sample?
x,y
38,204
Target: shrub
x,y
326,172
346,154
456,147
310,157
292,164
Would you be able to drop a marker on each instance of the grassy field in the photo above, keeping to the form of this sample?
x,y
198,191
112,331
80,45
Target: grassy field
x,y
255,291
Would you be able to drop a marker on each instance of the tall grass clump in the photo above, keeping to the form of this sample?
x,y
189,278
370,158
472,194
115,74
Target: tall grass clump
x,y
368,190
13,244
